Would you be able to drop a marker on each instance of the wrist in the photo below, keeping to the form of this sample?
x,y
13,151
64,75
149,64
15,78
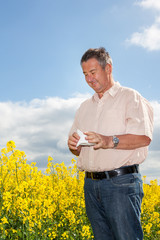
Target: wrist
x,y
115,141
110,142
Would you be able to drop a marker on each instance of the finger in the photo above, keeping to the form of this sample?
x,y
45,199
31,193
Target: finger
x,y
72,141
97,146
73,148
75,135
93,138
72,145
90,135
74,138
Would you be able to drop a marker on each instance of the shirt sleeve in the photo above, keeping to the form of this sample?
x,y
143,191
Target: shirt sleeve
x,y
139,116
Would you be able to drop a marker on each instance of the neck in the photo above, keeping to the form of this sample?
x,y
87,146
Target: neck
x,y
112,82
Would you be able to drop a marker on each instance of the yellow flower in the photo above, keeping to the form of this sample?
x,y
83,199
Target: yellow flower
x,y
4,151
10,146
50,158
52,205
4,220
65,235
148,227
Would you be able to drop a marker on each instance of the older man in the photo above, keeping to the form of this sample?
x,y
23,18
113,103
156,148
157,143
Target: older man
x,y
117,123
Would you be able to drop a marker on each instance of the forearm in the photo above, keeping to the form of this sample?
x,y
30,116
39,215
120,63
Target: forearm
x,y
130,141
126,141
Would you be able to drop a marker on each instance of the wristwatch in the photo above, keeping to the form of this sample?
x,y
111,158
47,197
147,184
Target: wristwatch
x,y
115,141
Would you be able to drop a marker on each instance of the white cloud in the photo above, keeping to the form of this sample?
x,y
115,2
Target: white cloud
x,y
40,128
154,4
151,166
149,37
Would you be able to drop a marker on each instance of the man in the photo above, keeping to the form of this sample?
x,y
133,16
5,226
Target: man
x,y
117,123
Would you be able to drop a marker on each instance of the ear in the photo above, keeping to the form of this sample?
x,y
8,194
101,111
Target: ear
x,y
108,68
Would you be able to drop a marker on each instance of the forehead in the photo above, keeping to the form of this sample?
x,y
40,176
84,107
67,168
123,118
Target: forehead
x,y
92,63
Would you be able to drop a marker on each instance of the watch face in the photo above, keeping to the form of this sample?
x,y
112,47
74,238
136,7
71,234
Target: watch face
x,y
115,141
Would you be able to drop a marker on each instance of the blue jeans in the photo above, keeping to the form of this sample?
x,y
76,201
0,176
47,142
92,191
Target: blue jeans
x,y
113,207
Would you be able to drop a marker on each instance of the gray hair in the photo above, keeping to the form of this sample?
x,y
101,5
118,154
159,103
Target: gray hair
x,y
100,54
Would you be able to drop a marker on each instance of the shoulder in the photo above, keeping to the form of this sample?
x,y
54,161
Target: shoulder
x,y
129,91
130,94
124,91
134,98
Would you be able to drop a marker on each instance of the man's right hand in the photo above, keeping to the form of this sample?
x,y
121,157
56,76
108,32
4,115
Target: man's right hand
x,y
72,143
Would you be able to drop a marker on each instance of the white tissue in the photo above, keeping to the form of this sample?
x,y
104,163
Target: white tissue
x,y
82,140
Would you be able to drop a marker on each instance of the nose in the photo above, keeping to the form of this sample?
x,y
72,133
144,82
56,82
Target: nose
x,y
89,78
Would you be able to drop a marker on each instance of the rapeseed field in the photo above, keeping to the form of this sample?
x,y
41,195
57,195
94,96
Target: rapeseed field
x,y
37,206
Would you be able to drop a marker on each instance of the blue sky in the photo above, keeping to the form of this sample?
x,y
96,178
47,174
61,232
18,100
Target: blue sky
x,y
41,43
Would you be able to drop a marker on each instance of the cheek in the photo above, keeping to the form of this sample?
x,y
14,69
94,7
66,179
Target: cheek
x,y
86,78
87,82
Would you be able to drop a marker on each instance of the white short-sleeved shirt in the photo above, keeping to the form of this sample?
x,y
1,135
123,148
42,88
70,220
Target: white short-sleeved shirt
x,y
120,111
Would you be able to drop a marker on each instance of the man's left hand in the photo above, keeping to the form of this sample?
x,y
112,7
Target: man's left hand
x,y
99,140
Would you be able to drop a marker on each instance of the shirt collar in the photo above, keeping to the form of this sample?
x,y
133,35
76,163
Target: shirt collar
x,y
112,91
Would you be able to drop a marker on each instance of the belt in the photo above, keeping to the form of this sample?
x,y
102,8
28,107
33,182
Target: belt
x,y
113,173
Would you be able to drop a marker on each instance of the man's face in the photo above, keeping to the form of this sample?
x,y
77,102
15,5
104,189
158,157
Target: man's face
x,y
96,77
